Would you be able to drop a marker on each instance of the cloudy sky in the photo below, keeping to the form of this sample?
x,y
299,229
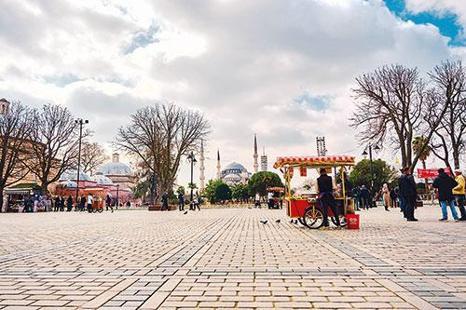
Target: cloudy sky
x,y
280,69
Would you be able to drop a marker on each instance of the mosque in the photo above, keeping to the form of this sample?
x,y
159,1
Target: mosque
x,y
233,173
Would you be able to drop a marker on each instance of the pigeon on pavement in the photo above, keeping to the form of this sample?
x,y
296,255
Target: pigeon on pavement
x,y
185,212
264,221
277,221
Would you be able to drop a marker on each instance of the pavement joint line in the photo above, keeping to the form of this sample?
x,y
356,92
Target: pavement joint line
x,y
101,299
161,294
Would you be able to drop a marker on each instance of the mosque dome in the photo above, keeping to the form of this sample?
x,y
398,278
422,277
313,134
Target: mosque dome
x,y
68,184
71,175
102,180
233,168
232,179
115,167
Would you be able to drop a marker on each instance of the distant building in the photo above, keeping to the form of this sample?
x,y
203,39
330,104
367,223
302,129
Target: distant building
x,y
120,173
234,173
264,162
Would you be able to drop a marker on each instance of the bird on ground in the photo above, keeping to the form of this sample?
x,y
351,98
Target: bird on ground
x,y
185,212
277,221
264,221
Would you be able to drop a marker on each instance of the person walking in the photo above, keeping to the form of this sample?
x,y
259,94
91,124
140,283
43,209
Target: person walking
x,y
386,196
356,193
108,203
445,185
82,203
56,204
394,197
459,192
408,194
364,194
326,199
164,201
90,200
180,201
257,201
69,204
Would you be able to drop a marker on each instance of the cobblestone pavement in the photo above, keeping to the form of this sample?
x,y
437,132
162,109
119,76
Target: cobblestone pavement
x,y
226,258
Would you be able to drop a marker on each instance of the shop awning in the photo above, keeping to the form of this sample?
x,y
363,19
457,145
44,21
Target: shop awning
x,y
22,189
314,161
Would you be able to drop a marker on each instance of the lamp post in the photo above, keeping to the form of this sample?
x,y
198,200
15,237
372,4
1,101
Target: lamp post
x,y
117,196
376,148
80,122
192,159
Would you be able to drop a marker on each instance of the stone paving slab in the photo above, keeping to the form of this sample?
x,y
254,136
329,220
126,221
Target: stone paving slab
x,y
226,258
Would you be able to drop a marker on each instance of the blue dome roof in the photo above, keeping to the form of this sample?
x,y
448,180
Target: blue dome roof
x,y
102,180
235,166
115,169
71,175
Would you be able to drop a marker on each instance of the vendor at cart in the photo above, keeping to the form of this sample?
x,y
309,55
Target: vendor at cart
x,y
326,198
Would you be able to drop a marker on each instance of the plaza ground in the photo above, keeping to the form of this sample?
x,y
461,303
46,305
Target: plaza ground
x,y
226,258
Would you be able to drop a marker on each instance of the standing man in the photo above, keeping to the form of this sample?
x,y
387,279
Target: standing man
x,y
459,192
164,201
108,202
181,201
408,194
445,185
90,200
364,195
326,199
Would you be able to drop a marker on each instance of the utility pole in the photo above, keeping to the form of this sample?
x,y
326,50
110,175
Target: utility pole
x,y
80,122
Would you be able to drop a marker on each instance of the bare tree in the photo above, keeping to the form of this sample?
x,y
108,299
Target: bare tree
x,y
92,156
394,105
57,147
160,136
450,81
15,126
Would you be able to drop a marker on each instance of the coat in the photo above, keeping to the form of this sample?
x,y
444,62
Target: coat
x,y
407,188
444,184
459,189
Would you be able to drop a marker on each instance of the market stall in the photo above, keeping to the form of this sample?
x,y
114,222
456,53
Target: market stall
x,y
308,209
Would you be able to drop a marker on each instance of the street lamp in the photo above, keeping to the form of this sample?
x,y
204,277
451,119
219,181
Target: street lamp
x,y
117,196
80,122
192,159
370,148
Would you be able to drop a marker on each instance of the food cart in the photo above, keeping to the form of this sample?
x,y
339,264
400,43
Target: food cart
x,y
277,195
308,210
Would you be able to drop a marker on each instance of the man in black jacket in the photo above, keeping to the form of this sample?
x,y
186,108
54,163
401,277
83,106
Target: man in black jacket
x,y
325,185
408,193
444,185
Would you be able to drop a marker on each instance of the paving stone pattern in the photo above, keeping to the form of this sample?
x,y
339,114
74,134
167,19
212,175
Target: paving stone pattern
x,y
226,258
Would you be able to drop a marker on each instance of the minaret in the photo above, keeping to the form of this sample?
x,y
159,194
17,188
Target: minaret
x,y
256,156
219,175
4,105
201,168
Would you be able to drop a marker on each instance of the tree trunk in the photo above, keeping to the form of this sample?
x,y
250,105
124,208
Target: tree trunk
x,y
1,200
456,159
426,181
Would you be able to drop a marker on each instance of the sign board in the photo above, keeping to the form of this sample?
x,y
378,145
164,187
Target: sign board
x,y
430,173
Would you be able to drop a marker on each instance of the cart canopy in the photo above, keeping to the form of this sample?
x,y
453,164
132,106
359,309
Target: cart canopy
x,y
314,161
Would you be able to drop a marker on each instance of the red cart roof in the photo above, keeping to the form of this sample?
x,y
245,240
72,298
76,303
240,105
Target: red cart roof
x,y
314,161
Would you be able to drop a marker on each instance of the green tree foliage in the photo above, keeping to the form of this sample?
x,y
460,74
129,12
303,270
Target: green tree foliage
x,y
216,191
180,190
260,181
141,189
383,173
240,192
222,192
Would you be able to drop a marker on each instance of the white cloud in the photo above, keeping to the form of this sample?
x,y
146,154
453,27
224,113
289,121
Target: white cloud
x,y
241,63
441,7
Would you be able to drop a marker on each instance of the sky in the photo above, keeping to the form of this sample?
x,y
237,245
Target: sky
x,y
280,69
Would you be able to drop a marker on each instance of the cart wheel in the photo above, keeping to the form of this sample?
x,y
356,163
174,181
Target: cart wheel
x,y
100,210
313,218
342,221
